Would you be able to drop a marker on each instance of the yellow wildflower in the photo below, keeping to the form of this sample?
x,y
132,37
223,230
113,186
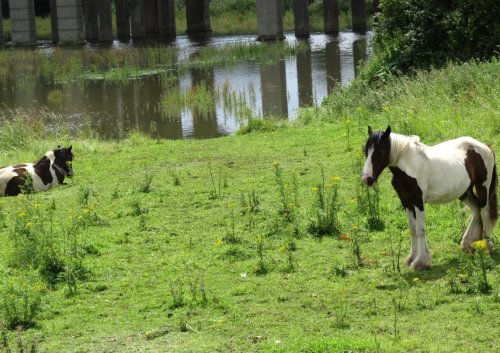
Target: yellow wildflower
x,y
481,245
315,189
416,280
21,214
219,242
29,225
336,179
276,163
283,248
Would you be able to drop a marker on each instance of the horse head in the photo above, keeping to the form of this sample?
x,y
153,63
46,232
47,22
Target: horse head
x,y
377,152
64,159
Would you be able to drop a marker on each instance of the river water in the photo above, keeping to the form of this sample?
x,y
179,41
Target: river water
x,y
113,109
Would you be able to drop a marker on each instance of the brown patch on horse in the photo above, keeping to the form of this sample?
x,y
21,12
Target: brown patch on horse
x,y
474,164
42,169
493,195
408,190
14,185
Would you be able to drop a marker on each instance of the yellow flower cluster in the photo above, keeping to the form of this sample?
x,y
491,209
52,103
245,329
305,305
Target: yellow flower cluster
x,y
480,245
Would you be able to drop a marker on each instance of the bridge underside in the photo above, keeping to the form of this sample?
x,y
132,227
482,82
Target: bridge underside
x,y
74,21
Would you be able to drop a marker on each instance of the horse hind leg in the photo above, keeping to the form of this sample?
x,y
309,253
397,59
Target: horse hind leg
x,y
488,225
474,231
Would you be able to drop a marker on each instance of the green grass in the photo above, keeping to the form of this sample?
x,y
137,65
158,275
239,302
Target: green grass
x,y
180,267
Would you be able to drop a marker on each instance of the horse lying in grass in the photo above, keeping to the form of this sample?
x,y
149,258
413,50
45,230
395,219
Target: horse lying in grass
x,y
47,173
463,168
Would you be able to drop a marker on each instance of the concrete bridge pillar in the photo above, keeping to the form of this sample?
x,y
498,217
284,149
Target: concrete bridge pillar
x,y
1,25
270,20
53,21
331,16
198,16
166,12
90,18
301,18
122,19
151,16
358,16
137,18
98,22
70,21
104,20
22,19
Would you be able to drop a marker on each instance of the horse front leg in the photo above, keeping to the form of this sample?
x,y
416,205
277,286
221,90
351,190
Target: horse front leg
x,y
412,222
423,257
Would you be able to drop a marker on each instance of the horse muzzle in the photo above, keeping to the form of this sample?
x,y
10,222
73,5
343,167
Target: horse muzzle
x,y
70,174
368,180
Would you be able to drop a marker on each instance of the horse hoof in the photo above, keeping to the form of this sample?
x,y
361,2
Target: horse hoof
x,y
421,265
409,261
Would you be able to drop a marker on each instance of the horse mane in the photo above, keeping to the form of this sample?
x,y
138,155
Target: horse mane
x,y
400,144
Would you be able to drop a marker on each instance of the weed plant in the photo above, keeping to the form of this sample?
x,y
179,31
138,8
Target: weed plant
x,y
327,207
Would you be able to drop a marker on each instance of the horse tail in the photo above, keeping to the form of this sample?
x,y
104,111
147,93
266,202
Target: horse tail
x,y
493,198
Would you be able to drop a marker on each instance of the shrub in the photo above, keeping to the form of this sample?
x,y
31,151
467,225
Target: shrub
x,y
413,34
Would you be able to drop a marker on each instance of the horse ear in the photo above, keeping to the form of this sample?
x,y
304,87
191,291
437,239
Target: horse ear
x,y
387,131
370,131
70,147
58,146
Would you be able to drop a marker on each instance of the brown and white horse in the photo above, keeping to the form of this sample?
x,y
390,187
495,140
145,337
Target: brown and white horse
x,y
463,168
48,172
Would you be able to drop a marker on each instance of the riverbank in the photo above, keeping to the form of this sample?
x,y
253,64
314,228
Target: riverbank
x,y
205,245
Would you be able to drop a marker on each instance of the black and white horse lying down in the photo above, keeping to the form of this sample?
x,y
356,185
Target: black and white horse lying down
x,y
463,168
47,173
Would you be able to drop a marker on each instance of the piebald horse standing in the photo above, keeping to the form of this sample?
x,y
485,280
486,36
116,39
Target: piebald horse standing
x,y
463,168
49,171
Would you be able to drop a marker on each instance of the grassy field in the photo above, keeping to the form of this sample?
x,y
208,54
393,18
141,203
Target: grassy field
x,y
263,242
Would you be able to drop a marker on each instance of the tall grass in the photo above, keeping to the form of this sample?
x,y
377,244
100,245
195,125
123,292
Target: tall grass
x,y
451,98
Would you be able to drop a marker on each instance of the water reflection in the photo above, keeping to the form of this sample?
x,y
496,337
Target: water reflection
x,y
333,68
304,79
273,89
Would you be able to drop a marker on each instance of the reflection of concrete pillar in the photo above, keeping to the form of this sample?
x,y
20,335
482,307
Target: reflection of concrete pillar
x,y
22,21
151,16
166,12
358,54
53,21
270,19
331,16
70,21
90,18
301,18
137,19
332,58
105,20
204,124
273,87
122,19
358,16
198,16
304,78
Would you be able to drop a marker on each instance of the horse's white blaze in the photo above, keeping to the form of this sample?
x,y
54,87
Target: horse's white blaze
x,y
368,168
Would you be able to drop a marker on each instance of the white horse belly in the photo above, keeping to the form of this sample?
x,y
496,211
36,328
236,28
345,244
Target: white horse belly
x,y
447,184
